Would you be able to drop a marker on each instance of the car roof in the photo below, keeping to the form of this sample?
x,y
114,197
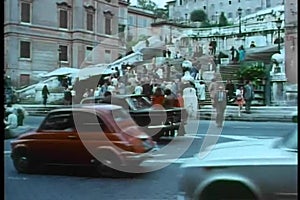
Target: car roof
x,y
87,107
123,96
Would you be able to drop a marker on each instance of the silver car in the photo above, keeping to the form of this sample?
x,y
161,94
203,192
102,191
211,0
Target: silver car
x,y
254,169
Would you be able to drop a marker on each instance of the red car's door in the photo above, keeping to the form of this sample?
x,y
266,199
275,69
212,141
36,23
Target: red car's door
x,y
57,140
92,134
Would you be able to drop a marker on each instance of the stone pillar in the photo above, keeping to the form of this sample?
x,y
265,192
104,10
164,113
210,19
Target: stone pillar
x,y
278,80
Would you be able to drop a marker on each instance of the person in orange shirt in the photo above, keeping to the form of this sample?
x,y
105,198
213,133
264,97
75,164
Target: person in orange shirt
x,y
158,97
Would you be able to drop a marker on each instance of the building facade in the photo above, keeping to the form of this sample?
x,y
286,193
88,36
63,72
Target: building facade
x,y
291,41
180,10
39,40
139,23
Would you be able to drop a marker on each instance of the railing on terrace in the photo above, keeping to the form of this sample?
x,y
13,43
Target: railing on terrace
x,y
233,29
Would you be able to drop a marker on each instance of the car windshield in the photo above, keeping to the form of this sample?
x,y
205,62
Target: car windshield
x,y
122,118
138,103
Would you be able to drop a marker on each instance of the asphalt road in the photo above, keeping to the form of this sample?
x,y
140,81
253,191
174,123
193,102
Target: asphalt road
x,y
77,184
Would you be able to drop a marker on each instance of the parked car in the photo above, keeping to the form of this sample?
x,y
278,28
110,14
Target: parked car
x,y
155,122
256,169
103,136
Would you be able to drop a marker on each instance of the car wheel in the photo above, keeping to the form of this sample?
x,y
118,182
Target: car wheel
x,y
227,190
22,163
106,166
181,130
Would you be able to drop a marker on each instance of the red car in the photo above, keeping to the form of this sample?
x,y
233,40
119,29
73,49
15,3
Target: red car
x,y
103,136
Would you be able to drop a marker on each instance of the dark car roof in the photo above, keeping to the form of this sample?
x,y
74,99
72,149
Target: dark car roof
x,y
114,96
96,107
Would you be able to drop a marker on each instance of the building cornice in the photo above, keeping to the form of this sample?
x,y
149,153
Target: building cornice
x,y
123,2
140,11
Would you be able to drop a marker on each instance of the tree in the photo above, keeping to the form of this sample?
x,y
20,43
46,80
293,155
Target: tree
x,y
254,71
161,13
223,20
198,16
147,5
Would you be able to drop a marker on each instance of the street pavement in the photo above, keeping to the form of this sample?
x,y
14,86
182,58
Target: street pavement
x,y
258,113
207,112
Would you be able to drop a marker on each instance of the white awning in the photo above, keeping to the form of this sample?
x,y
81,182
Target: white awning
x,y
62,71
88,72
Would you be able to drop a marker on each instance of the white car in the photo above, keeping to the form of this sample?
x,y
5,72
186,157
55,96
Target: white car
x,y
260,169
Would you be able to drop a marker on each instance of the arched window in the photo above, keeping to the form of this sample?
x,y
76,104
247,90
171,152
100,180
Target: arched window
x,y
108,21
64,12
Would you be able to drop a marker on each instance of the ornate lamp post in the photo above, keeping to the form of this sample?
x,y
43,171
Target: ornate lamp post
x,y
278,25
239,11
59,57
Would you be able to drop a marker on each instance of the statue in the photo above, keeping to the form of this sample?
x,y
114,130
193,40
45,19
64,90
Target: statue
x,y
277,66
278,79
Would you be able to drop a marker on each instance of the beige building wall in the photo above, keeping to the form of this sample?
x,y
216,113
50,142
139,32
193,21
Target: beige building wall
x,y
291,40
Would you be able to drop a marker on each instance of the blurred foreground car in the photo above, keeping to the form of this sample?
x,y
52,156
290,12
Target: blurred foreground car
x,y
259,169
103,136
156,122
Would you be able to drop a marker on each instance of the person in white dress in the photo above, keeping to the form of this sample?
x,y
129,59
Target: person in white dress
x,y
138,89
201,92
12,119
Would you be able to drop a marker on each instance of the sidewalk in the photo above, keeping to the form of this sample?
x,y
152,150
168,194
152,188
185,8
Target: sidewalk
x,y
258,113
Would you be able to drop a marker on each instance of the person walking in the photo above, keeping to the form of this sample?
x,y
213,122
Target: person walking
x,y
240,99
67,96
234,54
45,93
229,87
201,93
248,95
220,100
242,53
214,46
212,89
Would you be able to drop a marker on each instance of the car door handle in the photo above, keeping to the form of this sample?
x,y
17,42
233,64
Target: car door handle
x,y
72,137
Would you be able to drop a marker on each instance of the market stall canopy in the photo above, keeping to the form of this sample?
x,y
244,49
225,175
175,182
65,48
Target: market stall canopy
x,y
154,42
62,71
261,53
149,52
88,72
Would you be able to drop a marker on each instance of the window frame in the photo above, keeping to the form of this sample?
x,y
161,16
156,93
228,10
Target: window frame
x,y
20,50
30,12
62,115
92,23
89,11
89,57
63,6
60,54
59,18
108,28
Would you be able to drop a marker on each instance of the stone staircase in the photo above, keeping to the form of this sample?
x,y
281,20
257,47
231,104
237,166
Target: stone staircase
x,y
227,72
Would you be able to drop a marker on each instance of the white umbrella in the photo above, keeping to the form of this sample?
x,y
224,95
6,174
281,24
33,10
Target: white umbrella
x,y
88,72
62,71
